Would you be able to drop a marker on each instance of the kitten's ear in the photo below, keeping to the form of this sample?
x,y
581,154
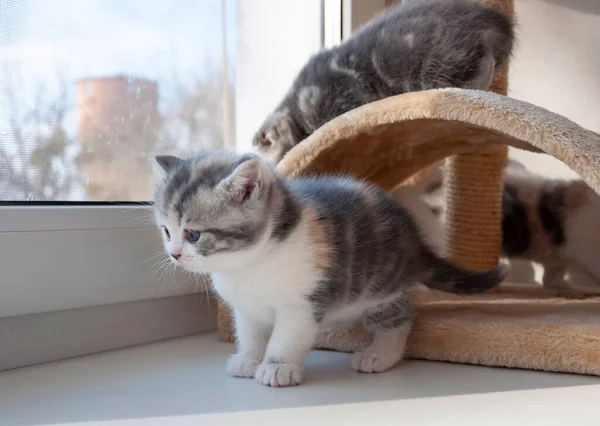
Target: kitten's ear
x,y
245,182
167,162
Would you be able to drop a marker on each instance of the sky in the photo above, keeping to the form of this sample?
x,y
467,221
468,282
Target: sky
x,y
43,42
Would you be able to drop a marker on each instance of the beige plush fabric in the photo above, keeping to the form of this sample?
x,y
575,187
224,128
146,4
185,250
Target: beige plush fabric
x,y
389,141
518,326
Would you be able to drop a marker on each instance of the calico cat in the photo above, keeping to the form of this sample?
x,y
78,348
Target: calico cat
x,y
555,223
552,222
294,257
417,45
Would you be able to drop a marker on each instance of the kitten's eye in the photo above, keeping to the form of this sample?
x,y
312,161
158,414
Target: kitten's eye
x,y
263,141
166,231
192,236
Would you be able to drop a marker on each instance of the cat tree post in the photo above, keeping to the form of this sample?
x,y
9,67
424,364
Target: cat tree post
x,y
473,184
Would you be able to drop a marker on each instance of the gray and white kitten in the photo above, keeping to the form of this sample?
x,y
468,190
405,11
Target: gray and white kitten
x,y
417,45
295,257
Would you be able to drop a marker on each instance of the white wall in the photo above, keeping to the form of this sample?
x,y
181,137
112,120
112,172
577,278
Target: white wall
x,y
557,66
274,40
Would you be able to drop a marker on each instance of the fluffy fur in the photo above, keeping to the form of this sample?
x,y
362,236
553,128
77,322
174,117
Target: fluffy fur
x,y
555,223
552,222
417,45
294,257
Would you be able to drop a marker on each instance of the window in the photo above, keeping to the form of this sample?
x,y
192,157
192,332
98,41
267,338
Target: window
x,y
89,93
132,81
89,89
128,79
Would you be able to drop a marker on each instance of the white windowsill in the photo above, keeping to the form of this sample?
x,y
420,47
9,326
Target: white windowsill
x,y
183,381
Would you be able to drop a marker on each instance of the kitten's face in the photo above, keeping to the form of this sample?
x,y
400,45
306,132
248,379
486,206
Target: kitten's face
x,y
212,210
276,137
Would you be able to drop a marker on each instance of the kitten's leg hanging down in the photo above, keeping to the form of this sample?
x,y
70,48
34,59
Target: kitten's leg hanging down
x,y
293,337
391,326
252,338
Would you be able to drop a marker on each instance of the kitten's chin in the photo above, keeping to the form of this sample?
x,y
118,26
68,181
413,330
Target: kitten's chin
x,y
207,267
195,268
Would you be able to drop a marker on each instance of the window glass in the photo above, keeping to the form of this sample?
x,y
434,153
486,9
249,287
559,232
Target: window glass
x,y
90,90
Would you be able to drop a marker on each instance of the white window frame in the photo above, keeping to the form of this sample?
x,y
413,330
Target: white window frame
x,y
35,242
113,300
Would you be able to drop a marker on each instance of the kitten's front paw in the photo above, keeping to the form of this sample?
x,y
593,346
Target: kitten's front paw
x,y
368,362
273,374
240,366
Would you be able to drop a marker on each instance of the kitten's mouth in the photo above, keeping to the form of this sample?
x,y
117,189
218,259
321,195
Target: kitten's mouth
x,y
181,262
189,266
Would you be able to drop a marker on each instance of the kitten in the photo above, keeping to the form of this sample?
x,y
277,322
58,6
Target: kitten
x,y
424,203
552,222
555,223
294,257
417,45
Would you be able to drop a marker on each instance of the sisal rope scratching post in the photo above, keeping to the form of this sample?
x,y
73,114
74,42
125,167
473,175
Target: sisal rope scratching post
x,y
474,208
473,184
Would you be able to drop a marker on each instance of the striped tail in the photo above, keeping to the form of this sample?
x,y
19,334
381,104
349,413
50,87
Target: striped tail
x,y
449,278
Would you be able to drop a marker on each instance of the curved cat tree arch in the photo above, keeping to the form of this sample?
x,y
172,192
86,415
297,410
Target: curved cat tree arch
x,y
389,140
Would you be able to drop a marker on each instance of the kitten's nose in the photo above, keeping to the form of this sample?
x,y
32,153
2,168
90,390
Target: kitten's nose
x,y
176,256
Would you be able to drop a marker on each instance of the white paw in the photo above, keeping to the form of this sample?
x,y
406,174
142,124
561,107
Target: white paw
x,y
240,366
368,362
279,374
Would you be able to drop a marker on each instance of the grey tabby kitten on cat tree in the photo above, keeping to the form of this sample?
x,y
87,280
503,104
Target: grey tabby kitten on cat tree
x,y
416,45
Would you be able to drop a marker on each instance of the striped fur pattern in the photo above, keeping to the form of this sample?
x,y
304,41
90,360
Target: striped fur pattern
x,y
295,257
552,222
417,45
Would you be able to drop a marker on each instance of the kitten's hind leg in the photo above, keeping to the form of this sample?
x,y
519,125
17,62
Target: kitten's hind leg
x,y
483,79
392,326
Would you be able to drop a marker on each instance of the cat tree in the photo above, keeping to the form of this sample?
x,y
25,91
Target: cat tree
x,y
395,140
